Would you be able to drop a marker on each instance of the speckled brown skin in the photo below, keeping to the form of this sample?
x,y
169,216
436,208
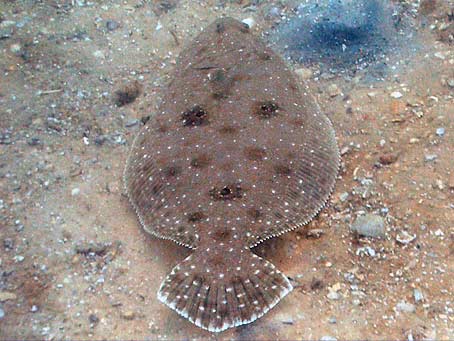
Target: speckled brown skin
x,y
235,155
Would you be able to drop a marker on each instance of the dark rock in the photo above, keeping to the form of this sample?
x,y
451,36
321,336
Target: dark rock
x,y
388,158
100,139
98,249
164,6
5,138
145,119
8,243
34,141
112,25
127,94
93,319
317,284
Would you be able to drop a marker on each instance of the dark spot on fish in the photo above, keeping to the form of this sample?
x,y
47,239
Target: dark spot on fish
x,y
227,130
227,192
200,161
220,95
221,84
291,155
255,153
298,122
195,217
195,116
219,76
282,169
293,86
222,235
156,189
171,171
254,213
294,194
191,240
216,260
267,109
227,166
278,215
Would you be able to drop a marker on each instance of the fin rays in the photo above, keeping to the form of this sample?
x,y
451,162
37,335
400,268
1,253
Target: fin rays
x,y
217,304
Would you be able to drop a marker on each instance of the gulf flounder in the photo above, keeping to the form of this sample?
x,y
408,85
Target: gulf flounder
x,y
236,154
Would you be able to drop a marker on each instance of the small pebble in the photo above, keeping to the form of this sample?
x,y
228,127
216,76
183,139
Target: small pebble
x,y
128,315
249,21
332,295
343,197
15,48
131,123
369,225
418,295
7,296
405,307
7,23
19,258
396,94
2,313
304,73
34,309
430,157
450,82
333,90
405,238
344,150
332,320
99,54
440,55
366,250
315,233
75,191
440,132
274,12
328,338
288,321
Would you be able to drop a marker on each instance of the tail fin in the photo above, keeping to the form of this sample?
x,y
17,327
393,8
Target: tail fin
x,y
239,293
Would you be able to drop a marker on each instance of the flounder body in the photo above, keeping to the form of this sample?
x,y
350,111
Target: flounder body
x,y
235,155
